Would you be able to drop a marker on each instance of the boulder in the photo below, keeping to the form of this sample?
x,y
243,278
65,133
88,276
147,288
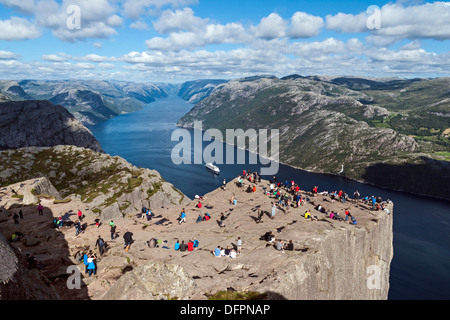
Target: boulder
x,y
153,281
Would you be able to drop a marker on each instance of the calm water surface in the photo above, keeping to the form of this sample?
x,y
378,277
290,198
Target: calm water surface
x,y
421,264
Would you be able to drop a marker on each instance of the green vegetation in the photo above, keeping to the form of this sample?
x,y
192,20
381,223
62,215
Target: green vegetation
x,y
62,201
234,295
441,156
78,171
155,189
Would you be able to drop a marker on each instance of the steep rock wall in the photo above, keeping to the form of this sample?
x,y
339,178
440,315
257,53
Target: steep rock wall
x,y
346,263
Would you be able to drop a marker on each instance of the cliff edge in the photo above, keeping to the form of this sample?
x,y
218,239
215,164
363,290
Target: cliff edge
x,y
42,124
331,259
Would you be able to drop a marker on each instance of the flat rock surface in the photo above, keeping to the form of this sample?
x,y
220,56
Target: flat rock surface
x,y
256,265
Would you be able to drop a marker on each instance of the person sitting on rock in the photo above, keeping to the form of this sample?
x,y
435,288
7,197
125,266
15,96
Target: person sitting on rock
x,y
280,246
183,246
216,252
31,261
16,236
190,245
152,243
289,246
148,214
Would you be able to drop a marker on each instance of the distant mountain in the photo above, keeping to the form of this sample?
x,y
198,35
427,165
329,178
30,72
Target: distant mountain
x,y
13,91
86,105
326,126
42,124
90,101
196,91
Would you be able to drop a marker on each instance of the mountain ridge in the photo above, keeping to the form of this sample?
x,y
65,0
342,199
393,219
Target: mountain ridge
x,y
329,128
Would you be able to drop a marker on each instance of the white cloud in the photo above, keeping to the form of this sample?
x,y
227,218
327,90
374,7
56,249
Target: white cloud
x,y
54,58
178,20
187,31
413,45
8,55
304,25
270,27
140,25
106,65
94,30
114,21
397,22
98,19
347,23
92,57
18,29
136,8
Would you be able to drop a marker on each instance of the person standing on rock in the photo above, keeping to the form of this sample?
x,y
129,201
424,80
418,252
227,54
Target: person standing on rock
x,y
274,210
92,268
128,237
182,217
239,245
260,215
85,261
16,218
20,214
112,229
80,215
356,195
100,243
222,220
77,227
41,209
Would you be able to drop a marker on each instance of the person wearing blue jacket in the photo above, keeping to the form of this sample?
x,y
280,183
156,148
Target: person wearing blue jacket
x,y
85,260
92,268
182,217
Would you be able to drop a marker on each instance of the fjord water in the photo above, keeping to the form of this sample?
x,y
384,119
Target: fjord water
x,y
421,262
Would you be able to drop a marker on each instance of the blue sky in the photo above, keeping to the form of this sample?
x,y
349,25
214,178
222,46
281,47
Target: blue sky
x,y
179,40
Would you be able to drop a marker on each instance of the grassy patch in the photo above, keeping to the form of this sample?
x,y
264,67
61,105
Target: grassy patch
x,y
155,189
62,201
234,295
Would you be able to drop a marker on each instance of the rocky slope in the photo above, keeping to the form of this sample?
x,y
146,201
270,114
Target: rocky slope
x,y
331,259
42,124
109,186
324,127
90,101
19,283
196,91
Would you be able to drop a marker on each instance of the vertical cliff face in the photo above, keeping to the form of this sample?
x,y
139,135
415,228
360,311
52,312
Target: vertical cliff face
x,y
345,263
41,124
332,259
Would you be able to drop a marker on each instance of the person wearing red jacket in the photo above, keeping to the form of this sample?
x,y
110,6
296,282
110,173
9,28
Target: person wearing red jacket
x,y
190,245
